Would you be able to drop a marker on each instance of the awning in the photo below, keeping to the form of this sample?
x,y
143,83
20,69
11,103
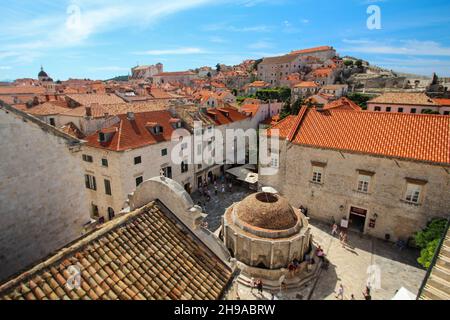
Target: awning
x,y
404,294
244,174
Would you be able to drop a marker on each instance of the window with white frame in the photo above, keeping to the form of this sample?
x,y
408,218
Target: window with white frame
x,y
413,192
317,174
364,183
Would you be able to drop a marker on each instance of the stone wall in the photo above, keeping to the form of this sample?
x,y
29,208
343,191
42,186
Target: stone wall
x,y
43,203
385,202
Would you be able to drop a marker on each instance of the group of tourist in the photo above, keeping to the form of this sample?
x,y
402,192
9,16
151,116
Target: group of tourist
x,y
340,293
257,284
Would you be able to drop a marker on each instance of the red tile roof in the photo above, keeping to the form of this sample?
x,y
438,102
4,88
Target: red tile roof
x,y
144,255
284,126
306,84
47,109
442,102
406,136
343,104
226,115
312,50
132,134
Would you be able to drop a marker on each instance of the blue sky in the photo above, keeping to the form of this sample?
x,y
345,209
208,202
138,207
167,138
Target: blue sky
x,y
108,37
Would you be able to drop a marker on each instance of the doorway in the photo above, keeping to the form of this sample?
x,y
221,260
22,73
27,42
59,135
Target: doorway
x,y
357,219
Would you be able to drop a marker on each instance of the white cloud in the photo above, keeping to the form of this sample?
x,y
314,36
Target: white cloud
x,y
81,22
404,47
5,68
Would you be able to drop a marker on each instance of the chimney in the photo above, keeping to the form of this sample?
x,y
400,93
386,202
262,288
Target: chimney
x,y
130,116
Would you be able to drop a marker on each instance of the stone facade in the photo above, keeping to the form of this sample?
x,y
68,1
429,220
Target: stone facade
x,y
122,173
42,196
385,205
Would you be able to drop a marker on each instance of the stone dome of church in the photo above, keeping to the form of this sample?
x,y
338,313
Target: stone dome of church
x,y
267,211
42,74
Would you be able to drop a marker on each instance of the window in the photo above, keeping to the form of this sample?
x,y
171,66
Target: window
x,y
388,109
400,110
105,163
317,174
413,110
168,172
184,167
413,192
274,163
52,122
139,181
90,182
108,187
164,152
364,183
111,213
446,113
87,158
95,212
137,160
377,108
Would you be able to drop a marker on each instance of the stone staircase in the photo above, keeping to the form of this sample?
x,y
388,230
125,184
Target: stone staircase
x,y
437,286
291,283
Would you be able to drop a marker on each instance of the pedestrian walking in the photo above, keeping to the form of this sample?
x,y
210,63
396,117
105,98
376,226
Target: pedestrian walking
x,y
252,284
260,287
334,230
216,190
340,293
344,239
223,188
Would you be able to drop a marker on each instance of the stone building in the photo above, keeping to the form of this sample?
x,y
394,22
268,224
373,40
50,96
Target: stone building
x,y
403,102
43,202
183,77
146,72
387,174
273,69
118,158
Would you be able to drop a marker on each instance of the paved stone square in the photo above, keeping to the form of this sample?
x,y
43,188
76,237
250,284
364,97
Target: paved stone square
x,y
215,208
349,265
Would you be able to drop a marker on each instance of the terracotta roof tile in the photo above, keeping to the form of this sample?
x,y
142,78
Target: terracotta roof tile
x,y
143,264
102,99
406,136
343,104
132,134
404,98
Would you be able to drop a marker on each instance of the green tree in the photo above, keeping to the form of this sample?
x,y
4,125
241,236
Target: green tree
x,y
296,106
218,67
348,63
359,63
428,240
286,111
427,254
360,99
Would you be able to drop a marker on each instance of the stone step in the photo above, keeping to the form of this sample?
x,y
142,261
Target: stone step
x,y
443,263
274,286
445,251
436,294
429,295
441,273
439,284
